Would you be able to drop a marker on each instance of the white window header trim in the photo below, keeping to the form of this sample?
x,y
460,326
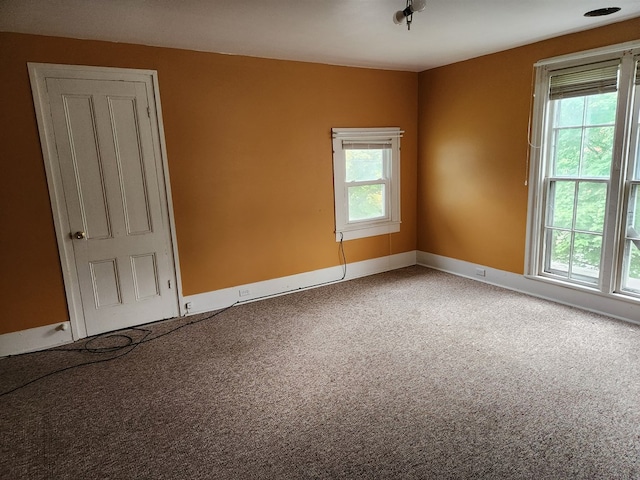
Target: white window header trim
x,y
361,133
590,54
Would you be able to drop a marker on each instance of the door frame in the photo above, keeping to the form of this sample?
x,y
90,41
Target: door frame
x,y
38,73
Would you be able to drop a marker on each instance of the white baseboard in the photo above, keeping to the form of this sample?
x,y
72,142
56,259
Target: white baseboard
x,y
618,308
52,335
206,302
34,339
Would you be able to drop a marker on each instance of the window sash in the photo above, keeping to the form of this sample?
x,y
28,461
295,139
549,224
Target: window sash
x,y
630,236
630,283
383,180
385,173
385,203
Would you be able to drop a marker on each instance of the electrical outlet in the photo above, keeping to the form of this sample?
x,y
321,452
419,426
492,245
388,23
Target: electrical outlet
x,y
481,272
244,292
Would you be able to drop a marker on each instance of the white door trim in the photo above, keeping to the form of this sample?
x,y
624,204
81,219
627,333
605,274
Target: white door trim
x,y
38,73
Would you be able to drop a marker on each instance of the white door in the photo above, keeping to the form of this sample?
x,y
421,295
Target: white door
x,y
118,228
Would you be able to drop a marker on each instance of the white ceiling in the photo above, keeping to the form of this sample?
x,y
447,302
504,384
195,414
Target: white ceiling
x,y
341,32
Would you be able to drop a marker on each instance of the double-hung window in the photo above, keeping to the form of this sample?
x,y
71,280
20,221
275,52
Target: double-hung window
x,y
366,169
584,203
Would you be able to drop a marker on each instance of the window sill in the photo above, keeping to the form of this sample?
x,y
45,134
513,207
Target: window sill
x,y
619,296
353,232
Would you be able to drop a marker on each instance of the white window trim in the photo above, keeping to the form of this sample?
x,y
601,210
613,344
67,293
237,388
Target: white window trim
x,y
608,286
344,229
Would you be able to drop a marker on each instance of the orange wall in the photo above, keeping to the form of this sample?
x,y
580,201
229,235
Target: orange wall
x,y
249,156
473,122
249,152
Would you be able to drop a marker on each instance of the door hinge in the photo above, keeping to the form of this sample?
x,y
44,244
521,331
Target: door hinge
x,y
169,282
149,112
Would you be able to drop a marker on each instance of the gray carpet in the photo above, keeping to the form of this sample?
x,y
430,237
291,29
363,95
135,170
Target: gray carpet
x,y
408,374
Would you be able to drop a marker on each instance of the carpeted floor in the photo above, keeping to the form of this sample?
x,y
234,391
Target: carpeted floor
x,y
409,374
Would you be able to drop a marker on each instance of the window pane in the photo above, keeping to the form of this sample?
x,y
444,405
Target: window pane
x,y
631,280
561,202
364,165
633,219
567,152
592,198
601,109
587,250
570,112
631,270
559,251
366,202
597,152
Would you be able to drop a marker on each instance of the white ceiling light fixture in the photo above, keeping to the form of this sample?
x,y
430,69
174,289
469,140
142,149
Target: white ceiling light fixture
x,y
412,7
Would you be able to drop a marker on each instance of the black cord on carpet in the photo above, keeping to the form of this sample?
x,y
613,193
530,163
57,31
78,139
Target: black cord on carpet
x,y
131,344
129,347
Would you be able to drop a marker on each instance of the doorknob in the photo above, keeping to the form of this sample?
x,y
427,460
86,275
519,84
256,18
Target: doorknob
x,y
80,235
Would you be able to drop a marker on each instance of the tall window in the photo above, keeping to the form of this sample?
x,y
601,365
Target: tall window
x,y
366,168
584,220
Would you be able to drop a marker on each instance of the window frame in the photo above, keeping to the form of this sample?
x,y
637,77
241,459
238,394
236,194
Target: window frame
x,y
390,222
612,256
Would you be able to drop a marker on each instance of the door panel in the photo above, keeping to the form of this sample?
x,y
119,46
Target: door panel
x,y
108,168
106,288
87,166
130,164
145,276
